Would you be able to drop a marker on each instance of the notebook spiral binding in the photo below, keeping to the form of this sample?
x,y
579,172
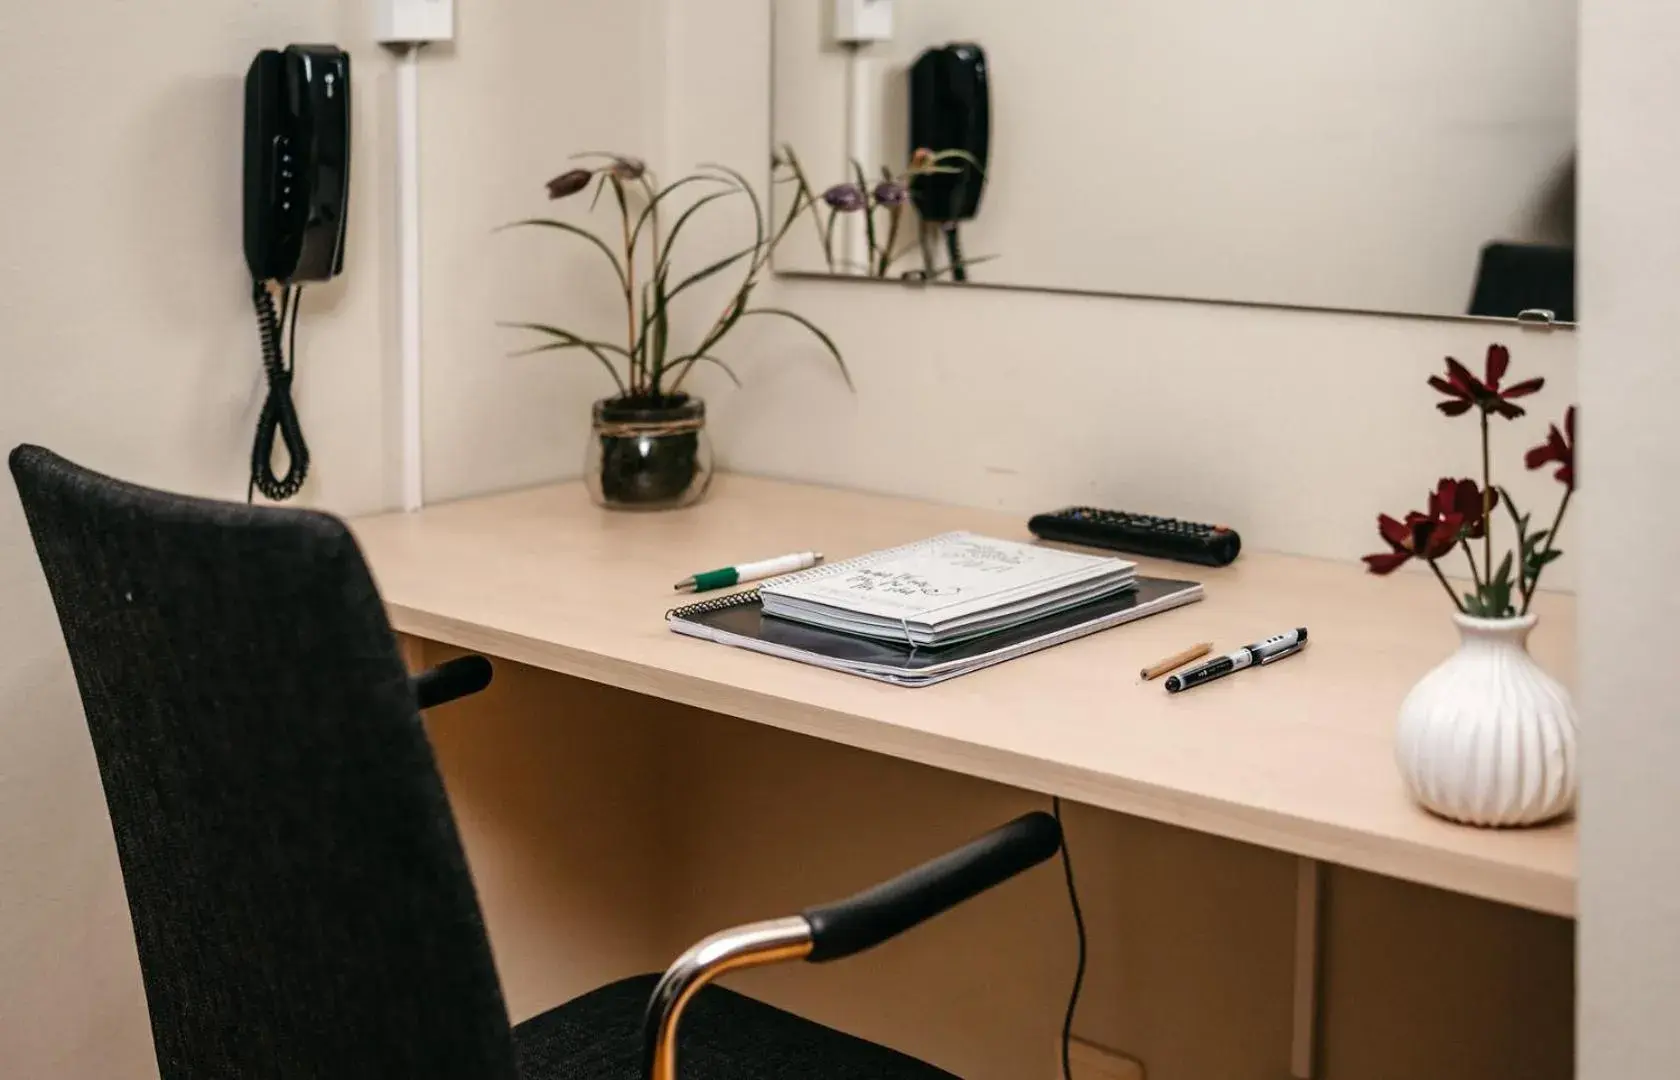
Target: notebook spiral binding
x,y
721,603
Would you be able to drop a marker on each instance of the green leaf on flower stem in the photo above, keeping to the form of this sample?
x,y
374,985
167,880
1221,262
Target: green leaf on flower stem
x,y
574,230
868,210
595,348
661,330
1540,560
652,208
1531,544
746,189
1496,594
828,343
688,361
676,230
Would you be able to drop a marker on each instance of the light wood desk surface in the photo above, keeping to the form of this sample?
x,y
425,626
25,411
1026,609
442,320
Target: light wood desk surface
x,y
1298,757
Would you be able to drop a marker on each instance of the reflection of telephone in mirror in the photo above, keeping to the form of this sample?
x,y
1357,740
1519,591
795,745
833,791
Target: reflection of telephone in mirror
x,y
1332,154
297,187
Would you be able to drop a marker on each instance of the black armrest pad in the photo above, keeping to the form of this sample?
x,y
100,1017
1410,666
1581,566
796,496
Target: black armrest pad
x,y
876,915
451,680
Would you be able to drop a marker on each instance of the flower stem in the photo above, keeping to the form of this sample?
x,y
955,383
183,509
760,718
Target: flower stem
x,y
883,260
1551,538
1470,557
1442,578
1487,496
629,287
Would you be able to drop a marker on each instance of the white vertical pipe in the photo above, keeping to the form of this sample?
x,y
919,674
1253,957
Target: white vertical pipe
x,y
408,269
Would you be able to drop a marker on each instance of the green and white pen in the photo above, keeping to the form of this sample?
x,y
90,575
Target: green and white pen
x,y
753,571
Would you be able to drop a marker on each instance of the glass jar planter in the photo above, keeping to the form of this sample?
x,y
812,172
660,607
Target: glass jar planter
x,y
648,453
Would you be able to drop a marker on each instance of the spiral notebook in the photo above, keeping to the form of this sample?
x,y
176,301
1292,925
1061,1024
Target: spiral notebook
x,y
945,589
740,620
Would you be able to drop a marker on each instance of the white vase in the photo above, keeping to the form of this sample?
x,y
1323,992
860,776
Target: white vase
x,y
1488,738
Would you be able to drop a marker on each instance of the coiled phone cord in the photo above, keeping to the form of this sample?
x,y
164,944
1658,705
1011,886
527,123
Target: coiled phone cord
x,y
279,416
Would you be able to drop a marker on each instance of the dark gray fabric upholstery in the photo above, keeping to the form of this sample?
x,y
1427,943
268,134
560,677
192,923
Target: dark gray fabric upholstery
x,y
724,1036
300,901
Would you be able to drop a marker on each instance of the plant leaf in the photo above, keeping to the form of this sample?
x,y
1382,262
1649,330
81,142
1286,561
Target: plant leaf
x,y
676,230
747,189
716,268
575,230
690,361
653,204
566,335
828,342
661,329
868,211
595,348
730,317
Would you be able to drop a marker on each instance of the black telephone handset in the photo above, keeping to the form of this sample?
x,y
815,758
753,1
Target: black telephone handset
x,y
951,109
297,163
297,193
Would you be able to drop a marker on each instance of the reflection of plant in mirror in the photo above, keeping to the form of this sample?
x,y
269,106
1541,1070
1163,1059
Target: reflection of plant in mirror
x,y
654,368
1460,511
887,198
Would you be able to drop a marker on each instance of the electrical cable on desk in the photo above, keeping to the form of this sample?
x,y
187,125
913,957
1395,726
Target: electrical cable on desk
x,y
279,415
1079,927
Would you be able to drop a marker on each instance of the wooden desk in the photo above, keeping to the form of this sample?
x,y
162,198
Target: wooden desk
x,y
1298,758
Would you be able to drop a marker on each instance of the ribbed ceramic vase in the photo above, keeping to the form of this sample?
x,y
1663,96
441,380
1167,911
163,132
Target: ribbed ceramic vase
x,y
1488,738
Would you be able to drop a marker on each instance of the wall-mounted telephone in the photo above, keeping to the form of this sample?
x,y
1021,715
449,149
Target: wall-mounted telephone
x,y
297,192
297,163
951,109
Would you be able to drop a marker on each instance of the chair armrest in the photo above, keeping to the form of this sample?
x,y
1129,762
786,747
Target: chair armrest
x,y
876,915
845,927
451,680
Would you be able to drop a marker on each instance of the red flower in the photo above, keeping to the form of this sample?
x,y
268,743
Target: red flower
x,y
1463,498
1559,447
1464,391
1455,512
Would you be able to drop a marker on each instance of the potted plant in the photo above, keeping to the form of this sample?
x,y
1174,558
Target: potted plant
x,y
1487,738
887,215
649,449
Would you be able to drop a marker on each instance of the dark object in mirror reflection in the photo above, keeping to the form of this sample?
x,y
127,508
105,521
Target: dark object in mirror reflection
x,y
1514,278
950,110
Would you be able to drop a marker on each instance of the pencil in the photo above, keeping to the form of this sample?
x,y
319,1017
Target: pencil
x,y
1172,663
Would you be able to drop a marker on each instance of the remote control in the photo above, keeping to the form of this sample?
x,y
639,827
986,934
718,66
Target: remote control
x,y
1140,534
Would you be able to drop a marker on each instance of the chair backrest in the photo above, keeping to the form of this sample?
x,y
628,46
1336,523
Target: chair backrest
x,y
300,900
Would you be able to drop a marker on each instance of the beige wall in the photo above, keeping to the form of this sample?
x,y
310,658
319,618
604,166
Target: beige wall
x,y
129,344
1630,602
1336,153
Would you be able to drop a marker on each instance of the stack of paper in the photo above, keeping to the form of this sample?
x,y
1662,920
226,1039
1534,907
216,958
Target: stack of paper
x,y
945,590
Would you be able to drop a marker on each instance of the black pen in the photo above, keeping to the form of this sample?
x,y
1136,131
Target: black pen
x,y
1256,655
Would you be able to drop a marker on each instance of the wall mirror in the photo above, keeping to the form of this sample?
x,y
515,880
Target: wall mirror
x,y
1412,158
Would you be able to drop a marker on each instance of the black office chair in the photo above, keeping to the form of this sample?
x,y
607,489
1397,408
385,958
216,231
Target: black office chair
x,y
300,900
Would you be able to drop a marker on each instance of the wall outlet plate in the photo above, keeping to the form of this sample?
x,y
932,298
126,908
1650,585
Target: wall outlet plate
x,y
413,21
858,22
1092,1062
